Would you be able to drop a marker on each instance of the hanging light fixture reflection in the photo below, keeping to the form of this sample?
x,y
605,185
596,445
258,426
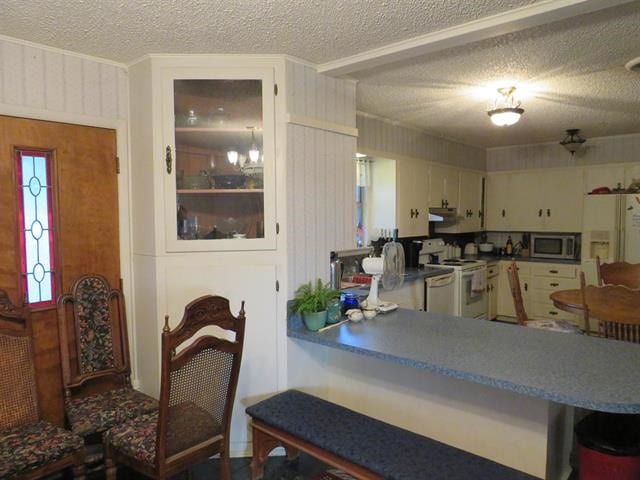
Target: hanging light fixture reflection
x,y
506,110
572,142
254,153
232,156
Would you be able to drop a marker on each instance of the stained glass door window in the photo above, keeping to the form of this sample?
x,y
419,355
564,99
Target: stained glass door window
x,y
35,195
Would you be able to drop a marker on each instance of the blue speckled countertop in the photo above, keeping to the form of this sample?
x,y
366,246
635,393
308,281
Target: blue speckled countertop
x,y
576,370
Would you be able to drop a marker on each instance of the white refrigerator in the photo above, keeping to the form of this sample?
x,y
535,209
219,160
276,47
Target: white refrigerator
x,y
610,230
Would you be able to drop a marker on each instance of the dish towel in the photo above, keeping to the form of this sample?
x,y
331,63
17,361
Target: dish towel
x,y
478,282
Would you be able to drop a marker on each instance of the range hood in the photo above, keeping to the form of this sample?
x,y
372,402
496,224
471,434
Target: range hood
x,y
447,215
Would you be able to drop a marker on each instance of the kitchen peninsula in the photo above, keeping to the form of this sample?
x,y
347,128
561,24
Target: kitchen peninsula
x,y
498,390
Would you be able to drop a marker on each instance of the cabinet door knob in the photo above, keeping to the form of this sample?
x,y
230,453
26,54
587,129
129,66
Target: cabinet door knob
x,y
168,158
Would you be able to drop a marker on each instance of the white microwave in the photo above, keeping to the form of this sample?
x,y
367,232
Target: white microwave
x,y
553,246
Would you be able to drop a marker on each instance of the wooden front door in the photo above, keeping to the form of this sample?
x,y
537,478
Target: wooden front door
x,y
86,239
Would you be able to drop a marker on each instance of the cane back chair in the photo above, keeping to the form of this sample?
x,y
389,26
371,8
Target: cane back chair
x,y
197,391
521,314
95,359
29,447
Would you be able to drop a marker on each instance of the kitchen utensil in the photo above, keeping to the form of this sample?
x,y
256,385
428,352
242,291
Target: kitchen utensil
x,y
486,247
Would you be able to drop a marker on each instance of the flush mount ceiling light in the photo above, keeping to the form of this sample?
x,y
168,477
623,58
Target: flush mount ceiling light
x,y
572,141
506,110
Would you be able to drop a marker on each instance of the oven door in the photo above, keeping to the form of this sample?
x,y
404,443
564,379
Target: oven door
x,y
473,304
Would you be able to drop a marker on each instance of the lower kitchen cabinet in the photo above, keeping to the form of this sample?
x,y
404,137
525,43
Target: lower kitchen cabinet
x,y
409,295
537,282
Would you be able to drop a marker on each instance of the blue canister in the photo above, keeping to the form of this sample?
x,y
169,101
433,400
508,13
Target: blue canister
x,y
349,301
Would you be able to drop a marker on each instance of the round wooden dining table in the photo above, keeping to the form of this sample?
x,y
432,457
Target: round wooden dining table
x,y
612,303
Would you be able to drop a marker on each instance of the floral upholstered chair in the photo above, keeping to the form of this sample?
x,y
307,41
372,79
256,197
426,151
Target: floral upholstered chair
x,y
95,360
197,391
29,447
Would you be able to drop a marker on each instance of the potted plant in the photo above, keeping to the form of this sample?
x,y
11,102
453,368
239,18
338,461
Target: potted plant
x,y
310,302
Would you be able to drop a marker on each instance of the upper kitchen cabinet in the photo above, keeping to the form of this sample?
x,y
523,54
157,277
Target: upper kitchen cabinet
x,y
539,201
398,196
469,204
204,156
444,183
499,202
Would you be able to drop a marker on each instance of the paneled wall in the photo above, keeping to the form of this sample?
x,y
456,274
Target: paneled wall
x,y
320,171
395,140
596,151
51,80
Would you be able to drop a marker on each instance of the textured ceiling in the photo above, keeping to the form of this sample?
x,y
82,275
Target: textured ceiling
x,y
314,30
575,66
572,73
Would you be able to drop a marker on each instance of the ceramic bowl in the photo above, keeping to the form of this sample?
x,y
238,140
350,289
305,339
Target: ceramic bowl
x,y
369,314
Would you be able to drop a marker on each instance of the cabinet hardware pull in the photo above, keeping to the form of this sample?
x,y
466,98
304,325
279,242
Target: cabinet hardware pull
x,y
553,271
503,212
554,284
417,213
548,212
442,203
479,213
526,287
446,203
168,160
540,212
553,313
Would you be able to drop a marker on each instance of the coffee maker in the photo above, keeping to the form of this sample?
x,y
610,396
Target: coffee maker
x,y
413,254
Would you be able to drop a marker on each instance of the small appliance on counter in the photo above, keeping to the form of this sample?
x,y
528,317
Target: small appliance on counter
x,y
470,249
347,263
413,254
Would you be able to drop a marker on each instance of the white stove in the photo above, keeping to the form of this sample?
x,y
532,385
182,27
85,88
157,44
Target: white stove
x,y
470,279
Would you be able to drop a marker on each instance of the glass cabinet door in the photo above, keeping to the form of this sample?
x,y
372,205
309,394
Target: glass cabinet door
x,y
219,157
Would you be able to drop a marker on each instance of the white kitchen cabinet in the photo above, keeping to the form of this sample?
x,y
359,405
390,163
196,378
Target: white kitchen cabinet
x,y
409,295
176,258
499,202
535,201
469,204
444,185
547,278
398,196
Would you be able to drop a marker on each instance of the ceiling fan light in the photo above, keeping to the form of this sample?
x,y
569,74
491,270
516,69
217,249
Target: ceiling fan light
x,y
504,117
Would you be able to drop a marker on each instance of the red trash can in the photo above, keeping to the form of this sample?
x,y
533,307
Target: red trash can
x,y
608,446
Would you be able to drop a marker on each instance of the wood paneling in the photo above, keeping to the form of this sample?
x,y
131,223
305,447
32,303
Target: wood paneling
x,y
597,151
87,238
45,79
320,174
399,141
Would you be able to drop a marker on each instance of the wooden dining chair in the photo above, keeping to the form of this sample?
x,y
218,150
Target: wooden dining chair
x,y
95,361
521,314
197,390
618,273
30,447
623,318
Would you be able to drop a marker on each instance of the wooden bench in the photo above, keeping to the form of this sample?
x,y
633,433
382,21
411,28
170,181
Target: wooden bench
x,y
361,446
